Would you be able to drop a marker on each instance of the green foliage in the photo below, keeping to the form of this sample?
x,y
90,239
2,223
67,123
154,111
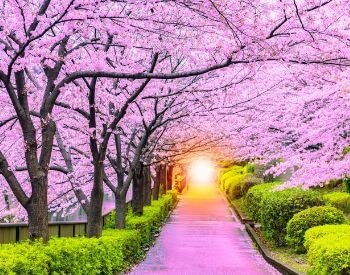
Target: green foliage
x,y
318,232
130,241
152,219
80,255
236,182
314,216
233,186
112,253
143,225
248,182
23,258
249,168
340,200
233,171
280,206
110,220
347,184
330,255
174,194
254,196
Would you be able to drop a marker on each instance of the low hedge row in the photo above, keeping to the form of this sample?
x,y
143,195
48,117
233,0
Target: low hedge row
x,y
112,253
237,181
304,220
280,206
328,249
254,197
308,218
108,254
340,200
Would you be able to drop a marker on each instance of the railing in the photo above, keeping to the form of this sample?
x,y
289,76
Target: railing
x,y
16,232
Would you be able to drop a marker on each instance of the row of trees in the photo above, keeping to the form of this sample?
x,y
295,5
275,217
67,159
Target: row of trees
x,y
93,93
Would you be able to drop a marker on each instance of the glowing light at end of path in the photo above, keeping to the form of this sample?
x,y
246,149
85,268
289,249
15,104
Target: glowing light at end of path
x,y
202,171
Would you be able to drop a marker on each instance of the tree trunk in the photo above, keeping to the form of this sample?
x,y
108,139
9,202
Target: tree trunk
x,y
120,211
170,178
94,219
163,180
147,188
37,211
156,186
137,191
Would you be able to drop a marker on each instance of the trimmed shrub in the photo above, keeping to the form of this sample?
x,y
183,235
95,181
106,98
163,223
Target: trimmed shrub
x,y
174,194
112,253
233,186
330,255
249,168
143,225
130,241
340,200
280,206
23,258
314,216
248,182
80,255
254,196
232,172
318,232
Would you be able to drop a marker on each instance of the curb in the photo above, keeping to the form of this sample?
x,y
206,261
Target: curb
x,y
265,252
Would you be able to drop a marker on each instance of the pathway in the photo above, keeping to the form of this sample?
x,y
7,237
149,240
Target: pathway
x,y
203,238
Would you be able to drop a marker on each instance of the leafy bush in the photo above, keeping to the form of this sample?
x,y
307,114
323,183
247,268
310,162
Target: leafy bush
x,y
23,258
80,255
143,225
317,232
174,195
233,186
330,255
110,254
248,182
340,200
232,172
254,196
249,168
278,207
314,216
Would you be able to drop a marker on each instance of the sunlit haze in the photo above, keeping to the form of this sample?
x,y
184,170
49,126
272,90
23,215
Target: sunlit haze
x,y
202,171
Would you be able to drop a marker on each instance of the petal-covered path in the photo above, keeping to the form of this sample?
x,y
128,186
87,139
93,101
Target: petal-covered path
x,y
202,237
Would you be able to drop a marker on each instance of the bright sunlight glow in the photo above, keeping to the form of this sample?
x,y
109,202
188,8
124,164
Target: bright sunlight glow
x,y
202,171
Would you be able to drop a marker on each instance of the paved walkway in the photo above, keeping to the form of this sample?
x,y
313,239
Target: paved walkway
x,y
203,238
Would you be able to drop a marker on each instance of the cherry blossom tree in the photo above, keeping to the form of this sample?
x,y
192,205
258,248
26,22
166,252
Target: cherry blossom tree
x,y
50,49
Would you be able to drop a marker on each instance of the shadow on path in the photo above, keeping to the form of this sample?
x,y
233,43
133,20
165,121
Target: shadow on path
x,y
203,238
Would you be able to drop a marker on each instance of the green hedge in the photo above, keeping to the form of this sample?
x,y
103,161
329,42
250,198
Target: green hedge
x,y
254,196
237,181
317,232
278,207
340,200
308,218
106,255
112,253
330,255
248,182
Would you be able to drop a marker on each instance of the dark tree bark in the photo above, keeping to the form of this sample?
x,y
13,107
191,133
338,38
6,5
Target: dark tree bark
x,y
163,180
120,211
147,188
170,177
137,190
37,211
94,219
156,186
